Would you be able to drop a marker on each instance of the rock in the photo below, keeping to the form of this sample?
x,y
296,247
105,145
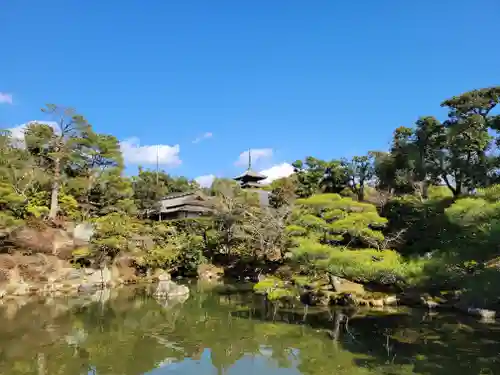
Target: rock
x,y
209,272
431,304
83,232
410,299
484,314
99,277
391,300
87,288
167,288
21,289
62,243
377,303
163,276
3,293
178,290
345,286
74,274
324,298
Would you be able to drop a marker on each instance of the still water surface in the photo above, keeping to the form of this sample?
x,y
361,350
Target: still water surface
x,y
127,332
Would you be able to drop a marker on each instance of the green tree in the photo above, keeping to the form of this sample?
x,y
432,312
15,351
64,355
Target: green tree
x,y
359,172
315,175
336,220
469,121
58,147
101,158
151,186
283,192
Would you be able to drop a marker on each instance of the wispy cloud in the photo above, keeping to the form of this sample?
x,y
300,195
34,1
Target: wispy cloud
x,y
134,153
205,181
6,98
258,155
206,135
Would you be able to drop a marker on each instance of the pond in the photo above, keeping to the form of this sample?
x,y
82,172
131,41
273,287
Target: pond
x,y
127,332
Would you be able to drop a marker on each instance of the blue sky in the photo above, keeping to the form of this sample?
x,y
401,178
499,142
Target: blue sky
x,y
291,78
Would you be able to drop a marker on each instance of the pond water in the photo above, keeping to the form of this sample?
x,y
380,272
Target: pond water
x,y
127,332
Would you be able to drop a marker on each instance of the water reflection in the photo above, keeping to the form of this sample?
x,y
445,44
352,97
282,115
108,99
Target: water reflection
x,y
127,332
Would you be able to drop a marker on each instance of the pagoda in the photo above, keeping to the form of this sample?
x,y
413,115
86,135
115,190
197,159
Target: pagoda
x,y
250,178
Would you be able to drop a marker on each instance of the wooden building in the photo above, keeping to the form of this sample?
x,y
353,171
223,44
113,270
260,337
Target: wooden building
x,y
183,205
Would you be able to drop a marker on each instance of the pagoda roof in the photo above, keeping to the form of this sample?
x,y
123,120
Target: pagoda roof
x,y
250,174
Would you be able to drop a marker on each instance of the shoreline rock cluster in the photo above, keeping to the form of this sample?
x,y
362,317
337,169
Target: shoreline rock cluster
x,y
336,291
43,275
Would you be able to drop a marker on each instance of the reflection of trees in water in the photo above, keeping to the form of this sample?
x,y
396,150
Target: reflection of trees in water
x,y
401,343
132,333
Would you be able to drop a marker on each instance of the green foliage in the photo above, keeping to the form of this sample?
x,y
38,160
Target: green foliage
x,y
340,220
171,249
360,170
268,284
283,192
362,265
437,213
315,176
113,235
38,204
330,234
150,186
490,193
10,200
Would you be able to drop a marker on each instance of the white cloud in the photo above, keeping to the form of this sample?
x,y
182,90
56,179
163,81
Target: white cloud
x,y
6,98
17,132
276,172
134,153
206,180
258,154
203,136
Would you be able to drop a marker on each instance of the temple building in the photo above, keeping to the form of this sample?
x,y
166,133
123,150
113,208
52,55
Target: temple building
x,y
250,180
183,206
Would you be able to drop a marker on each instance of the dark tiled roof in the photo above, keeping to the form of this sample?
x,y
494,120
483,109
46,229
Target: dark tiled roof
x,y
251,174
187,200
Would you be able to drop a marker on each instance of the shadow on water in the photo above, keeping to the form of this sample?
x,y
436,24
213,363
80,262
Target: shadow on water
x,y
129,333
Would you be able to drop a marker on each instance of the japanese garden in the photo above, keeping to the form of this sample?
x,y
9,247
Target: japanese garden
x,y
367,249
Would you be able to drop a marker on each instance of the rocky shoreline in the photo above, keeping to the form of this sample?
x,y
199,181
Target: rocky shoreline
x,y
45,275
342,292
42,275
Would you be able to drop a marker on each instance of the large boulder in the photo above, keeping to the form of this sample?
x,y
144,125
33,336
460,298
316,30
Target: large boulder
x,y
341,285
209,272
82,233
96,278
167,288
42,239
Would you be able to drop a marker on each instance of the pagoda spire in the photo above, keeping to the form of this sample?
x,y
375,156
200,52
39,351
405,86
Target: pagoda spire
x,y
250,178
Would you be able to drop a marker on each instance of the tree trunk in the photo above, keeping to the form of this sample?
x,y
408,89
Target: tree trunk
x,y
361,193
56,185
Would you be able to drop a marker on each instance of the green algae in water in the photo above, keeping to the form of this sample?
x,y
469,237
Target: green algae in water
x,y
127,332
